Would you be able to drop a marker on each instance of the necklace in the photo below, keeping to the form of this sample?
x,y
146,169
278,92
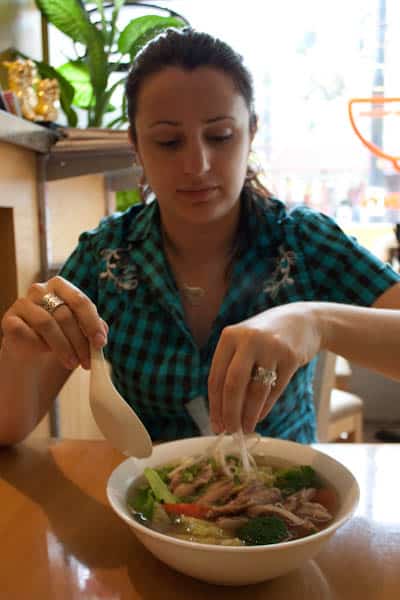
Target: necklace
x,y
193,294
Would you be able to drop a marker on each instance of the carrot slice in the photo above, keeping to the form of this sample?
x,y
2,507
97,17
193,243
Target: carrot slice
x,y
190,509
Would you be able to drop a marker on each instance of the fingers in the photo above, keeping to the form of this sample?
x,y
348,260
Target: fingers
x,y
216,380
235,399
233,402
14,330
80,323
257,398
43,326
73,333
285,373
66,331
235,388
79,304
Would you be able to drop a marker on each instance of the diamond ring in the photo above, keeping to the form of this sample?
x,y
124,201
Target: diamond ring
x,y
50,302
264,376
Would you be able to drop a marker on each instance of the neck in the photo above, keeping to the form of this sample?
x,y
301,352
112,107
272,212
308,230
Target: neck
x,y
201,243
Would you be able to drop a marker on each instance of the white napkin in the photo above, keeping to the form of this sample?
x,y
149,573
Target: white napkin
x,y
197,409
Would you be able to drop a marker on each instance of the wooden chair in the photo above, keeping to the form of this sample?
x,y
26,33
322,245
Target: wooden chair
x,y
338,411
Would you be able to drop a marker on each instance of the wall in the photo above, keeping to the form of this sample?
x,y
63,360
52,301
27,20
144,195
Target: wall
x,y
20,27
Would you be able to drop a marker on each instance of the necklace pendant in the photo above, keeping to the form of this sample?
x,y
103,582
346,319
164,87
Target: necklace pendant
x,y
193,294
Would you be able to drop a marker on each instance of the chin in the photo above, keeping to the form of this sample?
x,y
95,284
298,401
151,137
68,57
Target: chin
x,y
207,212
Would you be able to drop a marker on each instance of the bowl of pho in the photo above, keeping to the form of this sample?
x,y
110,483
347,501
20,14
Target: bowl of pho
x,y
233,510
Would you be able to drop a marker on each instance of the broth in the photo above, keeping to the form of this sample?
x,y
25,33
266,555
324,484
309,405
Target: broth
x,y
269,507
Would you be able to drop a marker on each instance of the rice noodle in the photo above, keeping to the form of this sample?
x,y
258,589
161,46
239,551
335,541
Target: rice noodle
x,y
244,454
243,442
219,448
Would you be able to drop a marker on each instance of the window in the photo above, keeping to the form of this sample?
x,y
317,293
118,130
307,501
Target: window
x,y
308,59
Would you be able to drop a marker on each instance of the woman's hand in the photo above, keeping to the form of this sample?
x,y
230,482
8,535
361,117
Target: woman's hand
x,y
30,330
281,339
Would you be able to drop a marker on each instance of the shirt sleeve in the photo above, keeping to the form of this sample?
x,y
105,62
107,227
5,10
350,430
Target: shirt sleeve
x,y
340,269
81,267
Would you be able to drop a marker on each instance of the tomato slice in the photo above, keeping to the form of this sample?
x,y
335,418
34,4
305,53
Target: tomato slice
x,y
190,509
327,497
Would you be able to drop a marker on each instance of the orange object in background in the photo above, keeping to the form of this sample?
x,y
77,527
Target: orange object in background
x,y
392,200
377,110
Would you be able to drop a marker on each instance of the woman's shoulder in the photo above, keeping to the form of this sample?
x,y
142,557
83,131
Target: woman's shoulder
x,y
300,228
276,209
118,228
277,213
302,219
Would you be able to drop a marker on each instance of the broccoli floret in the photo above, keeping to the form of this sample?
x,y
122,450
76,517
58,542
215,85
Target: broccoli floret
x,y
296,478
261,531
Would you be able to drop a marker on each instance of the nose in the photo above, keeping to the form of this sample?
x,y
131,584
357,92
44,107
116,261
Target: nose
x,y
196,157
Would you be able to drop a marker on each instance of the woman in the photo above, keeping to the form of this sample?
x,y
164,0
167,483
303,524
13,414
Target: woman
x,y
213,290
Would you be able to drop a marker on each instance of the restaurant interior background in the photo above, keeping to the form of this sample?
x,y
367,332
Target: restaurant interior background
x,y
308,59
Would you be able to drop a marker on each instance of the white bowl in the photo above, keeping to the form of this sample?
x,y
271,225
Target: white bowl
x,y
234,565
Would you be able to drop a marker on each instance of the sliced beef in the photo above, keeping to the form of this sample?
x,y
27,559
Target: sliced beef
x,y
188,489
218,492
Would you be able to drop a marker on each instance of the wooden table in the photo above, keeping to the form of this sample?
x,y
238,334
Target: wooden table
x,y
61,541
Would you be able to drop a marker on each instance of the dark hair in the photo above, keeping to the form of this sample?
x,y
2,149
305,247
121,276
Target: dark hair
x,y
190,49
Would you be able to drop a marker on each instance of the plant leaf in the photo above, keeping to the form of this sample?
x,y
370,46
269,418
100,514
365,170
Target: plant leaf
x,y
96,59
141,30
70,18
118,4
77,74
67,15
116,123
125,198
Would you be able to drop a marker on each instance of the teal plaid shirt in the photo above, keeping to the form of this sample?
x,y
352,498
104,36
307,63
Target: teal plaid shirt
x,y
156,365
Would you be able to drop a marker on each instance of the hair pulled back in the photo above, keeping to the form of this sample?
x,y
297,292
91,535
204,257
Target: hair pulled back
x,y
190,49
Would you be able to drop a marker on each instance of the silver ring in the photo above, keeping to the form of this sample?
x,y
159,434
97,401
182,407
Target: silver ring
x,y
264,376
50,302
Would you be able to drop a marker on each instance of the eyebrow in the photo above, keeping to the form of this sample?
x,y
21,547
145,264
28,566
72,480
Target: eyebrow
x,y
177,123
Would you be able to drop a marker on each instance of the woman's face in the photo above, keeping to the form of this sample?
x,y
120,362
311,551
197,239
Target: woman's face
x,y
193,141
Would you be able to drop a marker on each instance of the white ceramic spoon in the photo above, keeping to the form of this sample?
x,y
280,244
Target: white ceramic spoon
x,y
119,424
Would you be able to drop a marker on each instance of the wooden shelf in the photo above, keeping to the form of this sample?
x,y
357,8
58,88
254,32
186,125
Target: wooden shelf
x,y
77,158
26,134
92,152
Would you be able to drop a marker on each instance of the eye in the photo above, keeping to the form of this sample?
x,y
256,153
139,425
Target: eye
x,y
167,143
220,138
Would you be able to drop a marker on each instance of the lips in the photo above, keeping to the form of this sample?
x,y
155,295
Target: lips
x,y
199,195
197,190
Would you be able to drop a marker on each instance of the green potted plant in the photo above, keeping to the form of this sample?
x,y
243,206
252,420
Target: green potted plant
x,y
104,53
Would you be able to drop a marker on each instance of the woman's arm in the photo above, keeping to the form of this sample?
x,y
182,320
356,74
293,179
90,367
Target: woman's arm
x,y
287,337
39,350
27,392
366,336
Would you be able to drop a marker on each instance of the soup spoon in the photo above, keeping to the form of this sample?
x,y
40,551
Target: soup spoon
x,y
117,421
